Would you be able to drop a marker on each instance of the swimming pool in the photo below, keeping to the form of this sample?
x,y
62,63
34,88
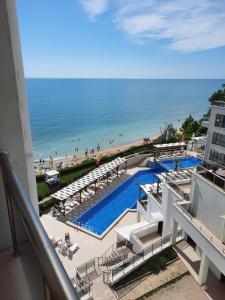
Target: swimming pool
x,y
184,163
102,214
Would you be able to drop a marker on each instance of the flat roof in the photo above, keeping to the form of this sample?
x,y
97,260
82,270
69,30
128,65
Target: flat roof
x,y
125,231
170,145
52,173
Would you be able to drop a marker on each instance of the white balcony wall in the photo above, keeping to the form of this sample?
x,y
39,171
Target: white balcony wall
x,y
15,135
208,205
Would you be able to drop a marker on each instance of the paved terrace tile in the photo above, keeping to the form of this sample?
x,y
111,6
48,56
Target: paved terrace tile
x,y
90,246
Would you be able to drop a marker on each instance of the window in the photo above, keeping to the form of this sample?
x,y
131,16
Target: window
x,y
218,139
220,121
217,157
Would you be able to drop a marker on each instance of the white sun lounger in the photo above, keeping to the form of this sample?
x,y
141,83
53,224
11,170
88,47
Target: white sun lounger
x,y
72,249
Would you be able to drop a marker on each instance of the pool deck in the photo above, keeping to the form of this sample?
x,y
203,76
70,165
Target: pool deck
x,y
90,246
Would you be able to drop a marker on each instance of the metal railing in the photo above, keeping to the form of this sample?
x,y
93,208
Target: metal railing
x,y
179,191
211,176
143,204
137,230
139,258
212,238
95,266
58,283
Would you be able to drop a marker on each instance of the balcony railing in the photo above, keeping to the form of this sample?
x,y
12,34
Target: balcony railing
x,y
59,286
211,176
179,191
202,228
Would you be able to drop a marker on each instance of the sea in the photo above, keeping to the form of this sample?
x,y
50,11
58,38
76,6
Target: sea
x,y
68,116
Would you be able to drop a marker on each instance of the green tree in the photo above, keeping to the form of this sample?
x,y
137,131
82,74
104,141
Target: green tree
x,y
218,95
191,126
168,134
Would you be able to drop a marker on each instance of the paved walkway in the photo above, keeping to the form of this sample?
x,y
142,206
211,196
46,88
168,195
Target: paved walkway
x,y
101,291
185,288
215,288
90,246
154,281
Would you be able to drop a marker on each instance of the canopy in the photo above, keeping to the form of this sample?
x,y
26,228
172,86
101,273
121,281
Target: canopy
x,y
170,145
51,173
88,179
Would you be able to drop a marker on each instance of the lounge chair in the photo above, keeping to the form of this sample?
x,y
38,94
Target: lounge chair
x,y
72,249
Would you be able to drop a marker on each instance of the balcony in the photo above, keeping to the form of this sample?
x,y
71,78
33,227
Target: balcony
x,y
34,271
205,123
209,235
212,176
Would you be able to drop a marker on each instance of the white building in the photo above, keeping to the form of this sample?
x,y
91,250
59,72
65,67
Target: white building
x,y
215,148
197,206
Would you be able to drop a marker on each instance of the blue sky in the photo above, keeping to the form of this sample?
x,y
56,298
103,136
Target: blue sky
x,y
123,38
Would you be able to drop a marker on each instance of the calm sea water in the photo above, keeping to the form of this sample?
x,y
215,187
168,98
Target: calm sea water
x,y
70,113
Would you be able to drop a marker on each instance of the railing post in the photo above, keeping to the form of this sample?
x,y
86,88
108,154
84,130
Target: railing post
x,y
11,219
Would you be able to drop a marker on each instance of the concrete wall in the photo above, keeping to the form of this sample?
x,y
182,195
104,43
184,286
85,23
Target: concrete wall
x,y
152,207
15,135
168,198
143,232
208,205
146,231
204,243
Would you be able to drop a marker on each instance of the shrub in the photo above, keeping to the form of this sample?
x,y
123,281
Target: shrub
x,y
170,254
154,264
46,206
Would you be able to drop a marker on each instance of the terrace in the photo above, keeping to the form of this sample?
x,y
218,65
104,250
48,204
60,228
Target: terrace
x,y
215,175
179,180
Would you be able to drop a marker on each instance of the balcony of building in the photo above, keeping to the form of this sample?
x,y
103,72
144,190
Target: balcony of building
x,y
30,269
215,174
212,247
205,123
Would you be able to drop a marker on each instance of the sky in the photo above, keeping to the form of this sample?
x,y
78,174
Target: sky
x,y
123,38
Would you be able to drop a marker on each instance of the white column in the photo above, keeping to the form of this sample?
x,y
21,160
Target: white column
x,y
174,231
15,135
184,235
204,267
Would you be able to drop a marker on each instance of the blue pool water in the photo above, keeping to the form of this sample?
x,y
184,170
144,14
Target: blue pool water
x,y
102,214
184,163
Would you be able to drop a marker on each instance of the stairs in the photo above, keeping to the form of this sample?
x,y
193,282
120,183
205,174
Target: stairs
x,y
103,264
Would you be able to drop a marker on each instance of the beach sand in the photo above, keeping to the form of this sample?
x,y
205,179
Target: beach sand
x,y
70,161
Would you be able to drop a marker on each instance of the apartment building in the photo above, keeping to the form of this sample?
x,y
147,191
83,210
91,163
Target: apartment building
x,y
215,148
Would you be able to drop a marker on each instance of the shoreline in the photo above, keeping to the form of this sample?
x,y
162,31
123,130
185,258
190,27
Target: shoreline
x,y
70,160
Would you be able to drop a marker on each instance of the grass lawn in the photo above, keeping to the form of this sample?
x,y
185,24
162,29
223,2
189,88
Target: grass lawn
x,y
45,190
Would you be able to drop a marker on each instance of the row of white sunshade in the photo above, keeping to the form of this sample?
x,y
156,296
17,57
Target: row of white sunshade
x,y
88,179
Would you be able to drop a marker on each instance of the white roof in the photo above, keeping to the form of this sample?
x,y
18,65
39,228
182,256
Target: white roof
x,y
96,174
125,232
157,216
174,176
178,144
51,173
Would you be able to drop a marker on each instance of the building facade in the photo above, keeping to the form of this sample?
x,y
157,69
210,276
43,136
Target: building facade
x,y
215,148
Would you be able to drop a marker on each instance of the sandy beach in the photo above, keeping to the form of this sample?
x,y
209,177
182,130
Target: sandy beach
x,y
76,159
